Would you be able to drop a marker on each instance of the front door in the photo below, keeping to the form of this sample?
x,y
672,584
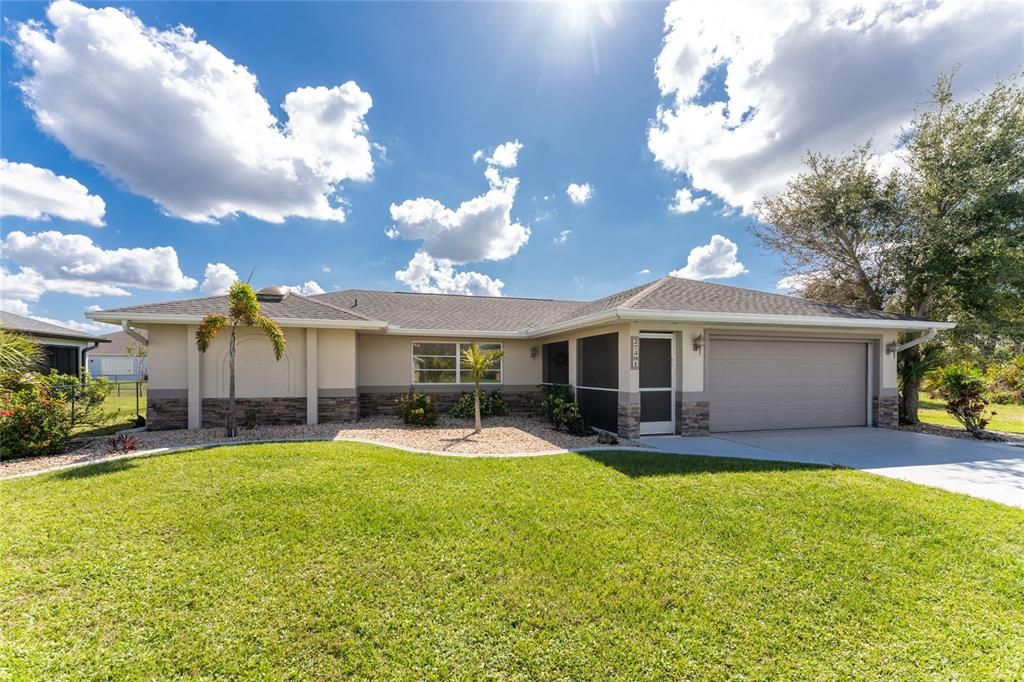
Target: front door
x,y
657,389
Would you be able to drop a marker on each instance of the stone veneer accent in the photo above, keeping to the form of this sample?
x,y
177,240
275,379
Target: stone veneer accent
x,y
166,413
520,403
629,415
885,412
337,409
693,417
268,410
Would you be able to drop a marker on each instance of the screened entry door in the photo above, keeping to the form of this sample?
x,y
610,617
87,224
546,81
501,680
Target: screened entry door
x,y
657,390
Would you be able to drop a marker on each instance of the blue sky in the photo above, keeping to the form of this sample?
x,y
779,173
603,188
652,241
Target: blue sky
x,y
636,100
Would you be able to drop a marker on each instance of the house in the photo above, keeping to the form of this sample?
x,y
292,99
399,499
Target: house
x,y
119,360
64,349
670,356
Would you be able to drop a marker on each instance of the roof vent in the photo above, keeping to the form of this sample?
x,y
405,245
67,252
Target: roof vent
x,y
271,294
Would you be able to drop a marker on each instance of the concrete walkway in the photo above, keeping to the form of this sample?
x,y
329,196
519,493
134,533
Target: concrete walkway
x,y
994,471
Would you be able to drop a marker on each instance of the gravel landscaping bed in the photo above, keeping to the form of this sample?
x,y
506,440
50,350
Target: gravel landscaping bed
x,y
507,436
958,432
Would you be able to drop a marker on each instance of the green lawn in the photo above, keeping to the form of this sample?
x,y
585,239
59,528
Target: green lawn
x,y
345,560
1008,418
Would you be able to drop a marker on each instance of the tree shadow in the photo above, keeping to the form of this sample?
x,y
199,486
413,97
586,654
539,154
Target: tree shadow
x,y
98,469
655,463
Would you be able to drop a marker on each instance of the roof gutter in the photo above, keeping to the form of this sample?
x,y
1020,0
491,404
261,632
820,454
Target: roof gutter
x,y
897,348
114,317
126,327
740,318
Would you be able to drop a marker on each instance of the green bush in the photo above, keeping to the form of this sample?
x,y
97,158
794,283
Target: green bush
x,y
33,421
569,417
962,386
85,397
554,395
417,408
492,404
1005,381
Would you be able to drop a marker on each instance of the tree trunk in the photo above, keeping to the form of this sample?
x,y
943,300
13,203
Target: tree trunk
x,y
476,409
232,429
908,401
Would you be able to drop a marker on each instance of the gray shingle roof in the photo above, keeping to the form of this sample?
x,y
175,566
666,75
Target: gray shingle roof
x,y
293,306
119,342
29,325
453,313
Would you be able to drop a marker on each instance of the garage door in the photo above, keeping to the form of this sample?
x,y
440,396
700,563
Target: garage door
x,y
786,384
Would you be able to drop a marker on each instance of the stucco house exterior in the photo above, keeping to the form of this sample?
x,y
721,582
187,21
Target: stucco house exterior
x,y
64,349
670,356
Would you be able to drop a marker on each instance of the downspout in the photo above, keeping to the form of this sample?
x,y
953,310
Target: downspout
x,y
134,333
84,367
896,348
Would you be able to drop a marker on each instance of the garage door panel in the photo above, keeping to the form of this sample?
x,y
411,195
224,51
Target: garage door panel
x,y
763,384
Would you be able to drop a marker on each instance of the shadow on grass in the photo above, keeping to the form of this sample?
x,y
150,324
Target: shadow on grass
x,y
98,469
639,464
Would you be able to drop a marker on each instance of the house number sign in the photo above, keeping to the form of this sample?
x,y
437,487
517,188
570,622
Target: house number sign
x,y
634,352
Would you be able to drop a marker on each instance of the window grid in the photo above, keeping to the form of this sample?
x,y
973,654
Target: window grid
x,y
460,346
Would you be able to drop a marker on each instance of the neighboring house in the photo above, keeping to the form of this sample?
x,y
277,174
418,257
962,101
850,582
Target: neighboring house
x,y
671,356
65,349
115,361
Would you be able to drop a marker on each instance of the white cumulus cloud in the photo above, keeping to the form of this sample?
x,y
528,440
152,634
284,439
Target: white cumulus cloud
x,y
310,288
563,236
799,76
685,202
181,123
27,191
217,279
506,155
426,274
714,260
579,194
74,264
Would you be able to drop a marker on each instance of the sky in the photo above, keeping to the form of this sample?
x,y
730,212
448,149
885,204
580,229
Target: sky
x,y
155,151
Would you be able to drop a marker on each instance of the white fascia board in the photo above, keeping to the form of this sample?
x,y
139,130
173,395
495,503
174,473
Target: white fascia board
x,y
150,318
455,334
740,318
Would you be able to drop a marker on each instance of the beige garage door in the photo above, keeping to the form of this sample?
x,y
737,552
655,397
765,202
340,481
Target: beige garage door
x,y
784,384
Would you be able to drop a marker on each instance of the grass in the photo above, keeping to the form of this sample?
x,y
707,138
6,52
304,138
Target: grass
x,y
123,402
346,560
1009,418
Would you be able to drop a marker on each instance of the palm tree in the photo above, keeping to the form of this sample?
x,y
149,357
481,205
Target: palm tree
x,y
243,311
478,363
20,358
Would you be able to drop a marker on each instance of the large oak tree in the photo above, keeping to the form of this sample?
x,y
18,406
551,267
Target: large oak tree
x,y
941,237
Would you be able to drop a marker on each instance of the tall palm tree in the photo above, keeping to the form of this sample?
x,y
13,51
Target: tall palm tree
x,y
243,311
478,363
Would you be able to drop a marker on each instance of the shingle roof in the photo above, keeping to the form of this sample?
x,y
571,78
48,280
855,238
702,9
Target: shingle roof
x,y
29,325
455,313
119,342
676,293
452,313
293,306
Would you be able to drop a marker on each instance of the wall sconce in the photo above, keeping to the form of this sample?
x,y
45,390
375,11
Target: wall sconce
x,y
533,352
698,342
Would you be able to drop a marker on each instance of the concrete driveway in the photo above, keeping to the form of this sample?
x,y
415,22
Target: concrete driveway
x,y
994,471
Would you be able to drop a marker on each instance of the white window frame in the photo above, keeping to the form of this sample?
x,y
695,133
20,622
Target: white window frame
x,y
458,363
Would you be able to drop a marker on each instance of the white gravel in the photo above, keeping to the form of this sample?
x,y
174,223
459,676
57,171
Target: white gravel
x,y
501,436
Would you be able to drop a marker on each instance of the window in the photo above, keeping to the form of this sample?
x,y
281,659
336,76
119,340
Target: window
x,y
435,362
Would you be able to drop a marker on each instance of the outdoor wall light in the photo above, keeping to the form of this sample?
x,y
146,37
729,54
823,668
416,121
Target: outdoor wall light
x,y
533,352
698,342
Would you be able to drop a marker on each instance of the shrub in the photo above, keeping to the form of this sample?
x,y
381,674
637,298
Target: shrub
x,y
33,421
84,396
250,420
1005,381
417,408
962,386
553,395
569,417
492,404
123,442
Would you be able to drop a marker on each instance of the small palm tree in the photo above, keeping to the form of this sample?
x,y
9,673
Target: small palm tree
x,y
478,363
243,311
20,360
